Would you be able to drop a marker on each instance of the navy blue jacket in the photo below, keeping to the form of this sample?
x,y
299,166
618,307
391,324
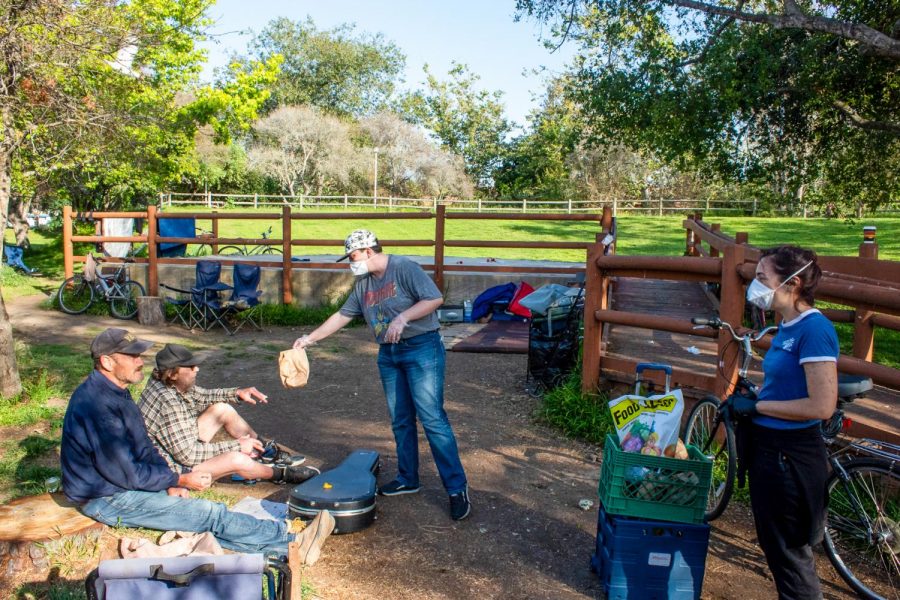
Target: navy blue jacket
x,y
105,447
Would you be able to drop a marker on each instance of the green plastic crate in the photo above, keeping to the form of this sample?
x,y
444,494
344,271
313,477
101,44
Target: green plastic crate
x,y
654,487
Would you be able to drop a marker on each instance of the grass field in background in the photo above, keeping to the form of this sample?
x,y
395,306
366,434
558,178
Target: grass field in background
x,y
637,234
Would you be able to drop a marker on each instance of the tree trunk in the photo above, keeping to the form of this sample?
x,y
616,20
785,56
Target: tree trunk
x,y
10,384
18,208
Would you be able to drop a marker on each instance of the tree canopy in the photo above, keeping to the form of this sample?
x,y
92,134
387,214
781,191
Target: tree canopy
x,y
465,119
337,70
803,96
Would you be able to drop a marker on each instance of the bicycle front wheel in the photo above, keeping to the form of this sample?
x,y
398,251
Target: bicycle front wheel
x,y
75,295
123,299
271,250
862,536
716,440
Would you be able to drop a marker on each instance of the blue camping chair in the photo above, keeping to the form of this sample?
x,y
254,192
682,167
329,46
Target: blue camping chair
x,y
205,296
12,255
244,302
181,228
200,306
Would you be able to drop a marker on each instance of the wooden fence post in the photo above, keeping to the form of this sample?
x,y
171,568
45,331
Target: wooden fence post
x,y
731,310
287,292
595,298
864,326
152,262
439,223
606,219
68,259
716,227
215,233
689,249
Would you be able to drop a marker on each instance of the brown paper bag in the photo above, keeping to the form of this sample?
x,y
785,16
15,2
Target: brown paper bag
x,y
293,366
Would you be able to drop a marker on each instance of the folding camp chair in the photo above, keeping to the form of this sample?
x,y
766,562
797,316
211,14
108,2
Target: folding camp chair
x,y
12,255
200,306
205,296
244,302
238,576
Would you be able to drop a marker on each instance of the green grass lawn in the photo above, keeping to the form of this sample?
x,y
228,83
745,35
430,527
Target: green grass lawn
x,y
638,234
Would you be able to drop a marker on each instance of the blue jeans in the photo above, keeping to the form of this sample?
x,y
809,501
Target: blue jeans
x,y
412,373
158,510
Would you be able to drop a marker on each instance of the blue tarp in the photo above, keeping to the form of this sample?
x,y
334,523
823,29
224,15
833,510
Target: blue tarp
x,y
179,228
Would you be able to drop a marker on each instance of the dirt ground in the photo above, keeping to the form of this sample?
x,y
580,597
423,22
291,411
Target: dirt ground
x,y
526,537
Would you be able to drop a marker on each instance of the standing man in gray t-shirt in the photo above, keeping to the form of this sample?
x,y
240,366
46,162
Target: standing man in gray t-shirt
x,y
398,301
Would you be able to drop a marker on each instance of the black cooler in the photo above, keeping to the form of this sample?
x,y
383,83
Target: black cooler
x,y
347,492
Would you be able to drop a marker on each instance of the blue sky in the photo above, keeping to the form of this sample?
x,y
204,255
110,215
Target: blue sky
x,y
481,34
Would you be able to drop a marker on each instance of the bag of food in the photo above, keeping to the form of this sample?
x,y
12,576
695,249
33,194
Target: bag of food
x,y
648,425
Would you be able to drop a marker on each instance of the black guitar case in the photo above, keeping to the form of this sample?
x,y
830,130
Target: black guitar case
x,y
347,492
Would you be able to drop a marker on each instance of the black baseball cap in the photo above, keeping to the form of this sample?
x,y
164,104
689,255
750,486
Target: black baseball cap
x,y
118,341
175,355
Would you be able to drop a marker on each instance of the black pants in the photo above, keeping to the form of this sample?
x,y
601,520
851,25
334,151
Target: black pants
x,y
788,470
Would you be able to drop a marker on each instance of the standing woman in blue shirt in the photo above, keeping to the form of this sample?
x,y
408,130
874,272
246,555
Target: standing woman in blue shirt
x,y
787,461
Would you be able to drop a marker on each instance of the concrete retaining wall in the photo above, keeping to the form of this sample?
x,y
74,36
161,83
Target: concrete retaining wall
x,y
314,287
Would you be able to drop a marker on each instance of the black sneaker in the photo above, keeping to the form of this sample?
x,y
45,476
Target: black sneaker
x,y
396,488
460,507
272,454
286,474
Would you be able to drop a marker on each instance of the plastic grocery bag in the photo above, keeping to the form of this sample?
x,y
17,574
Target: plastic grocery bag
x,y
648,425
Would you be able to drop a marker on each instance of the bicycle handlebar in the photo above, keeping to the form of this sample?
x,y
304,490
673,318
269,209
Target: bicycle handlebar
x,y
717,323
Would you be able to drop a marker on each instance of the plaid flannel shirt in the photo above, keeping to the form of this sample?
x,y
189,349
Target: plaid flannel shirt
x,y
171,419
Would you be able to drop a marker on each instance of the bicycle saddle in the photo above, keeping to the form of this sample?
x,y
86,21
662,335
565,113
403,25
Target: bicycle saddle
x,y
853,386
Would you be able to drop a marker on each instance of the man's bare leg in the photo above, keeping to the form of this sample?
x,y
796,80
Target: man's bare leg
x,y
221,415
230,463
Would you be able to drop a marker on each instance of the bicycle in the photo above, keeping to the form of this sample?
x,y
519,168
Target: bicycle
x,y
77,293
862,536
245,250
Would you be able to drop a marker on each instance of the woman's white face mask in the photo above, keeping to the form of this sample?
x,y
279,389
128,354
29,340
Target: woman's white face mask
x,y
761,295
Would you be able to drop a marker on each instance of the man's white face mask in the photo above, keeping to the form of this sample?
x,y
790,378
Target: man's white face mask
x,y
359,267
761,295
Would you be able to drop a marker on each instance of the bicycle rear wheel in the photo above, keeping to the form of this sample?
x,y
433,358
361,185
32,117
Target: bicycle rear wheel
x,y
716,440
75,295
231,251
862,536
123,299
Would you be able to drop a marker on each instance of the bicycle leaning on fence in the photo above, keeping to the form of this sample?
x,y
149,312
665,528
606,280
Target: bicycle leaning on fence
x,y
862,535
77,293
245,250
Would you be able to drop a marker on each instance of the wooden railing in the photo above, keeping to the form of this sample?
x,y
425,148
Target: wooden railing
x,y
869,285
288,241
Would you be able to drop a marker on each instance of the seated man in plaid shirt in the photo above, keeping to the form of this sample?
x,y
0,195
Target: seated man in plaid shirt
x,y
182,418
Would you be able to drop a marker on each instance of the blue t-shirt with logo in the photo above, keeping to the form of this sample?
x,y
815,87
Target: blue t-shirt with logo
x,y
380,299
808,338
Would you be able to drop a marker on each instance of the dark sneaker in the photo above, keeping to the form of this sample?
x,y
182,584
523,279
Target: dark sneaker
x,y
396,488
284,459
273,454
286,474
460,507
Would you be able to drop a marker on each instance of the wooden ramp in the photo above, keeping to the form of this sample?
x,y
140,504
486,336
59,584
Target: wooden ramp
x,y
874,416
676,299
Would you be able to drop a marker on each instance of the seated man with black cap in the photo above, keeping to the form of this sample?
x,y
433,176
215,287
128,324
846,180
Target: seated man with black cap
x,y
115,475
182,418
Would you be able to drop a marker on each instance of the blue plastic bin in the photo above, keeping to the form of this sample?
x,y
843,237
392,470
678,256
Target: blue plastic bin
x,y
639,559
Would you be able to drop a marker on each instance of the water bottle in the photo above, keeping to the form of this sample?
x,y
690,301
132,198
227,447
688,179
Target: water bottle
x,y
467,311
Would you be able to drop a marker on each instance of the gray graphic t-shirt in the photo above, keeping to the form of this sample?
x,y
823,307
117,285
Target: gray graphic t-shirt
x,y
378,300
